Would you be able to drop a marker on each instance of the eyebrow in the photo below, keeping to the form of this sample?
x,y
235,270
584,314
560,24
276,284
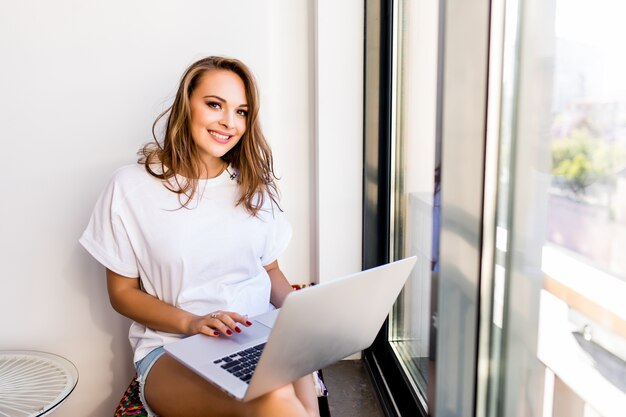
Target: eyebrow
x,y
222,100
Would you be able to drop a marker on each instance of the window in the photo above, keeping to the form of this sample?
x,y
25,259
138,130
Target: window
x,y
560,319
416,193
497,155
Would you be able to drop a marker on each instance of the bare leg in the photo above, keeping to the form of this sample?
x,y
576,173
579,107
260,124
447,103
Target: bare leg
x,y
172,390
305,391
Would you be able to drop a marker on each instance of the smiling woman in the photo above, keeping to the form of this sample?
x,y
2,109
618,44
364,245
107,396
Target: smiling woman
x,y
217,121
212,123
190,239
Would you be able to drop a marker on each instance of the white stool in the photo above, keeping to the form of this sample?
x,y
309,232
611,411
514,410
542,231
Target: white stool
x,y
33,383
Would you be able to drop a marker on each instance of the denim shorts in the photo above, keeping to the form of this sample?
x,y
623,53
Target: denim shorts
x,y
143,367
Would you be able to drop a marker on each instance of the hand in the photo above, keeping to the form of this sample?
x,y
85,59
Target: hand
x,y
218,322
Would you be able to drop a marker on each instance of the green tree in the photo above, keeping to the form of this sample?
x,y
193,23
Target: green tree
x,y
580,160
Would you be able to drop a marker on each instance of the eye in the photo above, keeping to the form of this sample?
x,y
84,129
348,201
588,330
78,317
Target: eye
x,y
214,105
242,112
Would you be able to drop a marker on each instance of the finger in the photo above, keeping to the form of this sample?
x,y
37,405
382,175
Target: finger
x,y
209,331
219,325
240,318
229,318
219,320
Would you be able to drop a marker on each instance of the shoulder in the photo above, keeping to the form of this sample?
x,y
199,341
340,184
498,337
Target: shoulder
x,y
134,175
130,180
129,173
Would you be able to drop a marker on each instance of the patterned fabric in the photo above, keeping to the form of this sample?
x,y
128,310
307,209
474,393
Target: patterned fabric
x,y
130,405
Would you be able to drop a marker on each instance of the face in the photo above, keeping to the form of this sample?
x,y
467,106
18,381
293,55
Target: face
x,y
218,116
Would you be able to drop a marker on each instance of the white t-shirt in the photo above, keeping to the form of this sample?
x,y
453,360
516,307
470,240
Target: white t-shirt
x,y
206,257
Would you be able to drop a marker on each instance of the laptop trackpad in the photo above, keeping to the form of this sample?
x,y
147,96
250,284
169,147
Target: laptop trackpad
x,y
250,334
199,345
268,319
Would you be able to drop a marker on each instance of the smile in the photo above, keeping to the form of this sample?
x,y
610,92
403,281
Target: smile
x,y
219,137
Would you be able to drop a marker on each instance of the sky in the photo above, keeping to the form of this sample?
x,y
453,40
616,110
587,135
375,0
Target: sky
x,y
600,24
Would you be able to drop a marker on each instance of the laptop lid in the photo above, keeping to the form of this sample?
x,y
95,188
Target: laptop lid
x,y
320,325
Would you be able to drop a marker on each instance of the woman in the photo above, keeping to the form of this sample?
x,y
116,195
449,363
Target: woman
x,y
190,238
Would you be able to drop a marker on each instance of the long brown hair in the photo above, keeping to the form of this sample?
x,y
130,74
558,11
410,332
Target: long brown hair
x,y
177,154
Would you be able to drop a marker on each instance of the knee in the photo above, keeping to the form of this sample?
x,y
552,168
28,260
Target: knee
x,y
279,402
287,395
282,394
312,412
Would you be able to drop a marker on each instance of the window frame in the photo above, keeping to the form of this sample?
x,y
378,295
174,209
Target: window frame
x,y
462,200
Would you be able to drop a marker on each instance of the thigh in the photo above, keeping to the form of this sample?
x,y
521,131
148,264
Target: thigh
x,y
171,389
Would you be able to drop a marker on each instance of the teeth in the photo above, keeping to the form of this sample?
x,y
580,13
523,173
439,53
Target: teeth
x,y
217,135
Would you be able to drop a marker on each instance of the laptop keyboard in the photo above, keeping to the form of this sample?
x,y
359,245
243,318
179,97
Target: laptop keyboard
x,y
242,363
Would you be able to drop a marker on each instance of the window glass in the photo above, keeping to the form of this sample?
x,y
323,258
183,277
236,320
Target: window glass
x,y
415,208
562,212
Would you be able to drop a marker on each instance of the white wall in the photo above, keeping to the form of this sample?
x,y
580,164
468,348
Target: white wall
x,y
339,49
80,84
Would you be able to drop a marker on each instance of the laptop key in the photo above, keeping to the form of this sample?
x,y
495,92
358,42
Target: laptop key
x,y
229,365
242,364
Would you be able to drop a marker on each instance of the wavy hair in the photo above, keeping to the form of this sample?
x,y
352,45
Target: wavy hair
x,y
177,154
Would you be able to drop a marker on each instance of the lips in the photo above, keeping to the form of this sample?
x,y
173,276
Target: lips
x,y
220,137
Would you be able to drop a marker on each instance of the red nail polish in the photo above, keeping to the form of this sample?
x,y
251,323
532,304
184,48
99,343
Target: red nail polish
x,y
237,329
228,332
216,333
249,323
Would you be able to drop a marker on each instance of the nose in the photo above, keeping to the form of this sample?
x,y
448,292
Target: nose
x,y
228,119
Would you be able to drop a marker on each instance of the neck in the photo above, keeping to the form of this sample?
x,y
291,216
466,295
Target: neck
x,y
213,170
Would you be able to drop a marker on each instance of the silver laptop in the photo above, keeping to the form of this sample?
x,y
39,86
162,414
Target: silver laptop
x,y
315,327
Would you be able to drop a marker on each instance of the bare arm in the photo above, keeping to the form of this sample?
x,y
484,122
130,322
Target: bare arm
x,y
280,285
128,299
